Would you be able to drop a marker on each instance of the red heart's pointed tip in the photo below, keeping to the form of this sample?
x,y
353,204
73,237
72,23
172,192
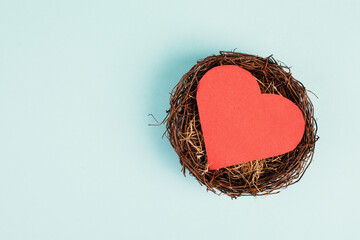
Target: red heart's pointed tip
x,y
239,123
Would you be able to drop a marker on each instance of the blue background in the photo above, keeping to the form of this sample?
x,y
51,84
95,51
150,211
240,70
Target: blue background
x,y
78,78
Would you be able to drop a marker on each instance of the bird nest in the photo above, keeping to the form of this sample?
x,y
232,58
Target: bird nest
x,y
260,177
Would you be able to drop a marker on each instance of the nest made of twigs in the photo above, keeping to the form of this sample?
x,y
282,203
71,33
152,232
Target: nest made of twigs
x,y
260,177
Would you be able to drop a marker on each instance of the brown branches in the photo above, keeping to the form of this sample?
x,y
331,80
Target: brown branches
x,y
260,177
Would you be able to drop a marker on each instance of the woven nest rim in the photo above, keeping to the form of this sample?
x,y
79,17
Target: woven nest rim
x,y
260,177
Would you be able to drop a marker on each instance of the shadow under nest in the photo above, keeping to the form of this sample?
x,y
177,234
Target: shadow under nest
x,y
260,177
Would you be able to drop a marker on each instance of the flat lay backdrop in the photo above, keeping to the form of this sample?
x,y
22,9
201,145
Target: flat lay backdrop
x,y
79,78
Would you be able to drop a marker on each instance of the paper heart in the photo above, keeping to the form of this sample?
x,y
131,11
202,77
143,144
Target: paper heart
x,y
239,123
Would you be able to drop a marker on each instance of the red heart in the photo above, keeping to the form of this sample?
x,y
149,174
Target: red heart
x,y
239,123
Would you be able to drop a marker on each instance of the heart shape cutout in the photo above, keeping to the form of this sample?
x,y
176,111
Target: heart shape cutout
x,y
239,123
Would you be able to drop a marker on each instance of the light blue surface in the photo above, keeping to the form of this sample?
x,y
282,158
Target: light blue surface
x,y
78,78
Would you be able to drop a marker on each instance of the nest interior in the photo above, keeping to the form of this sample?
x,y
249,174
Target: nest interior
x,y
260,177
